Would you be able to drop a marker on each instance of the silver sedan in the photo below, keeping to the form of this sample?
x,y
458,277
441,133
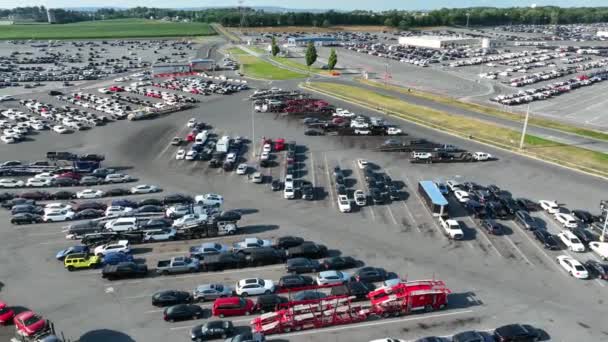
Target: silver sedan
x,y
211,291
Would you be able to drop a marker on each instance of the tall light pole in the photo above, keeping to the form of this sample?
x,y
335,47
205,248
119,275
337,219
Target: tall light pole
x,y
523,133
253,129
468,15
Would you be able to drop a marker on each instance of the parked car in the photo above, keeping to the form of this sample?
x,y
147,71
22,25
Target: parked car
x,y
212,330
182,312
338,263
285,242
491,226
302,265
29,323
332,277
597,269
26,218
572,266
524,220
269,303
354,288
6,314
79,249
547,239
232,306
516,333
370,274
254,286
144,189
308,295
171,297
211,291
124,270
115,258
307,249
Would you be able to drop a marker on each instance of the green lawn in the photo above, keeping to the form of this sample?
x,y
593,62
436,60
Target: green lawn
x,y
123,28
487,110
293,63
255,67
572,156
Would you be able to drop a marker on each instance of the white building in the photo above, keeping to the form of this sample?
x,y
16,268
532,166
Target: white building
x,y
438,42
603,34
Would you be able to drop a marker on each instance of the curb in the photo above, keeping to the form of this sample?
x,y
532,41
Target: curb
x,y
554,163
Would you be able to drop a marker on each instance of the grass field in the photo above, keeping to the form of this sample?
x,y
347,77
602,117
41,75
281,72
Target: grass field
x,y
127,28
535,121
575,157
292,63
312,29
255,67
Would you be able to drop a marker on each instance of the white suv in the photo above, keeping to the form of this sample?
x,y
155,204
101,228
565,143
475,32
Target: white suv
x,y
58,215
344,204
118,246
571,241
566,220
122,224
214,200
254,286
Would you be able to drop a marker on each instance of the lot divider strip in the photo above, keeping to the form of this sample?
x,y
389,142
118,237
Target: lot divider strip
x,y
577,158
487,110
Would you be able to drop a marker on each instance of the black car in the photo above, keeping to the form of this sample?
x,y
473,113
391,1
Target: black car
x,y
182,312
527,204
584,235
288,241
376,196
341,190
309,295
177,199
247,337
90,205
124,270
313,132
337,171
155,223
430,339
171,297
476,209
497,210
88,214
150,201
294,281
270,302
307,250
63,195
468,336
491,226
265,256
516,333
307,191
64,181
524,220
26,218
339,179
6,196
548,240
36,195
276,185
26,208
583,216
370,274
302,265
393,193
338,263
117,192
353,288
597,269
149,209
493,189
212,330
509,204
17,201
89,180
219,262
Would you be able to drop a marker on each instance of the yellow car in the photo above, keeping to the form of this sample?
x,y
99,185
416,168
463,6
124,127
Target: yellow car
x,y
81,260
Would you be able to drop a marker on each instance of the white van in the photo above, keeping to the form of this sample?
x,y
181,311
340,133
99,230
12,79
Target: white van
x,y
481,156
122,224
201,138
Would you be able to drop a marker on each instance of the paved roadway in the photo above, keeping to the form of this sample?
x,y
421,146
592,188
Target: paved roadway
x,y
495,280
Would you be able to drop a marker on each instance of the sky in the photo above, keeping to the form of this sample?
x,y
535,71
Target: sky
x,y
309,4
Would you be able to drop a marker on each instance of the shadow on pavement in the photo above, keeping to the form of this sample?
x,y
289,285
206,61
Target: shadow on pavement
x,y
105,335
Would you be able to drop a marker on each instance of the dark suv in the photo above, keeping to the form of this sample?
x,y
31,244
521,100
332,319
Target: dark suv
x,y
524,220
265,256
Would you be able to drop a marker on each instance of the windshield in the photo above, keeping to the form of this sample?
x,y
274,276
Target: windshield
x,y
4,310
32,320
579,268
261,282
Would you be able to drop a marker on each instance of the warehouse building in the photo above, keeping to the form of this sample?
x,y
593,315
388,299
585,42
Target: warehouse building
x,y
602,34
318,41
439,42
202,64
170,68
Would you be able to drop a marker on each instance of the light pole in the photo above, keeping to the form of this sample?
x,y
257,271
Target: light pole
x,y
468,15
523,133
603,236
253,129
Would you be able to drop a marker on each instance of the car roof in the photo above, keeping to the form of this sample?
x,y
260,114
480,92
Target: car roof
x,y
227,300
330,273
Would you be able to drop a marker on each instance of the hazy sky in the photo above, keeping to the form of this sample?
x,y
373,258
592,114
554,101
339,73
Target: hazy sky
x,y
320,4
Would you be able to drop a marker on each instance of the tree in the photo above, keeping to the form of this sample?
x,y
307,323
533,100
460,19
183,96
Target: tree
x,y
315,23
333,59
326,23
311,54
274,47
404,25
389,22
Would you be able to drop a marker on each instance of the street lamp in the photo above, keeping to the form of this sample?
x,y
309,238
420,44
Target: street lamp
x,y
523,133
468,15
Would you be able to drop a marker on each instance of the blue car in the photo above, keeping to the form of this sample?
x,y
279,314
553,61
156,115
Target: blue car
x,y
124,203
71,250
115,258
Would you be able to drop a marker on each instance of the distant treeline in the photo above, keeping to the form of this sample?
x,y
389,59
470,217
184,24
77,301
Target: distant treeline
x,y
248,17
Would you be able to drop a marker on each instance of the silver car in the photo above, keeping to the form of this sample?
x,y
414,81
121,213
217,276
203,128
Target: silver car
x,y
211,291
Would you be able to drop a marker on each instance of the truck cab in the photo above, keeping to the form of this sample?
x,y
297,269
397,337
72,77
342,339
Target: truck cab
x,y
451,228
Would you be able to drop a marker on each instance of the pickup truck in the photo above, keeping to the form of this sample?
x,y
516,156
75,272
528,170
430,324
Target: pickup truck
x,y
451,228
127,269
250,243
601,248
177,265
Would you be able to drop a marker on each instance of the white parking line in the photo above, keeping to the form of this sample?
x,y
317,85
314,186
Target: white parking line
x,y
312,170
485,237
329,188
392,216
519,250
361,180
371,324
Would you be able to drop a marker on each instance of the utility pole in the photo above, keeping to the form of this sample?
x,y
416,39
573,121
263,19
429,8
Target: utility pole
x,y
386,75
603,237
468,15
523,133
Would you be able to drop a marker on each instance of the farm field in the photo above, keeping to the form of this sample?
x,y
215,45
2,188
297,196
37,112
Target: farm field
x,y
127,28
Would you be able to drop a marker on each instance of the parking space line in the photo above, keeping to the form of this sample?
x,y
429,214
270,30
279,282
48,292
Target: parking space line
x,y
519,250
407,180
542,252
331,188
371,324
483,233
361,180
312,170
392,216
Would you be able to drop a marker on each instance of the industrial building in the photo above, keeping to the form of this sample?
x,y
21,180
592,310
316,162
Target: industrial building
x,y
202,64
439,42
170,68
318,41
602,34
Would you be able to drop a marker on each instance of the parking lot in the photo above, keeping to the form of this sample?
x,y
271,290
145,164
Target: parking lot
x,y
494,279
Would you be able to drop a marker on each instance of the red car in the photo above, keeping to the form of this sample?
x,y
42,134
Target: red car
x,y
232,306
29,323
6,314
190,137
279,145
70,174
116,89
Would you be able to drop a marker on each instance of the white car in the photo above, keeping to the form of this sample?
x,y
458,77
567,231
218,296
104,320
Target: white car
x,y
394,131
189,219
288,180
60,129
10,183
601,248
362,163
58,215
118,246
267,148
117,210
573,267
257,178
178,210
566,220
89,193
181,154
332,277
254,286
191,123
45,175
144,189
289,192
242,169
6,98
117,178
453,185
461,196
56,207
265,155
38,182
571,241
344,204
549,206
160,234
7,139
103,90
191,155
360,198
214,200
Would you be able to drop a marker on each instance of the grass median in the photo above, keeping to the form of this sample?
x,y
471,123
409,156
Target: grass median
x,y
120,28
539,122
292,63
480,130
255,67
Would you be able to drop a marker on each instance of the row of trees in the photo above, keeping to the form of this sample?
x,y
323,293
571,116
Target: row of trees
x,y
401,19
